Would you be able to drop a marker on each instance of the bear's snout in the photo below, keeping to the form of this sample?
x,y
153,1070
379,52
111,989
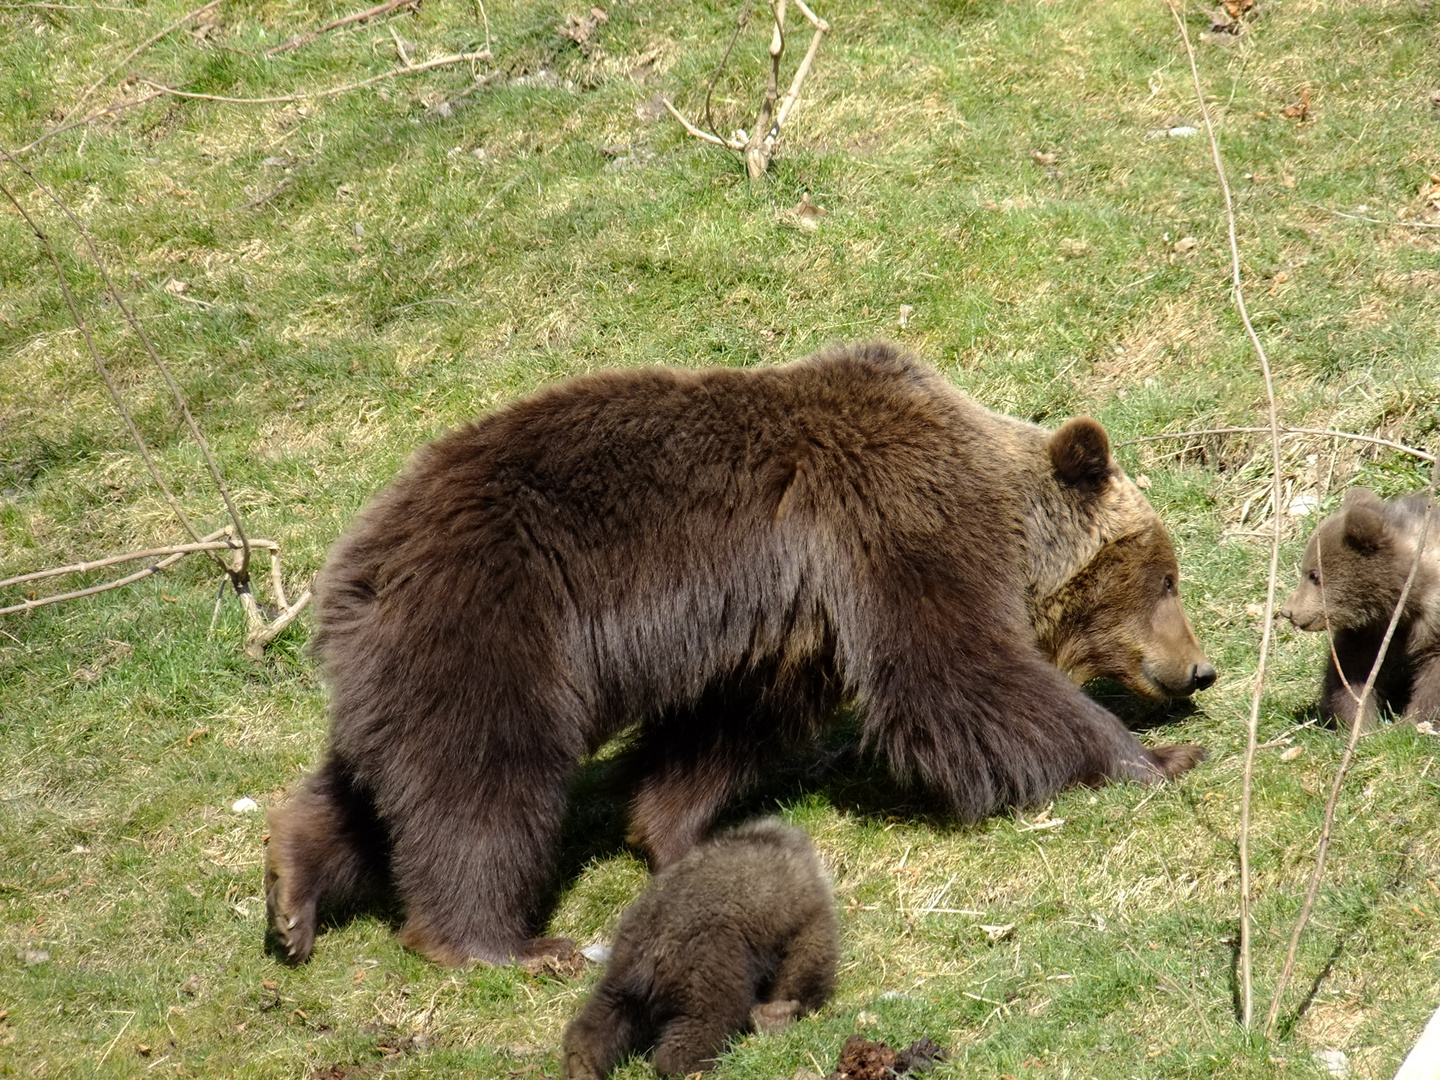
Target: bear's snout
x,y
1202,675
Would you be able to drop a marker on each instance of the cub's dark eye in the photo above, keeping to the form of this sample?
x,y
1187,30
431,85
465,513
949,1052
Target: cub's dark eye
x,y
1314,577
1169,583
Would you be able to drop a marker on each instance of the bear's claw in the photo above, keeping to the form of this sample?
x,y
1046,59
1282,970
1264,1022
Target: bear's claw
x,y
291,929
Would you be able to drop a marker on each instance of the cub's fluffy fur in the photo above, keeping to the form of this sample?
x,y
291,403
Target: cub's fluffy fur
x,y
740,932
1351,578
719,559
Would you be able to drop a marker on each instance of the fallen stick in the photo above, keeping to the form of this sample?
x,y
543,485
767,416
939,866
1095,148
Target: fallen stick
x,y
210,543
359,16
413,69
1285,430
84,97
170,560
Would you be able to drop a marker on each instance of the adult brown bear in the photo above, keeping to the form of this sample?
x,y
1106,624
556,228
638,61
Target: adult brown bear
x,y
720,558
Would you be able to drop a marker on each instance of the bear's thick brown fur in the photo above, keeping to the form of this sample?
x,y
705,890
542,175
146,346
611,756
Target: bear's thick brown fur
x,y
739,933
1351,578
719,558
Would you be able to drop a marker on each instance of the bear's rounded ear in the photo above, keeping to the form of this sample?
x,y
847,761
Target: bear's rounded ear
x,y
1362,496
1080,453
1366,529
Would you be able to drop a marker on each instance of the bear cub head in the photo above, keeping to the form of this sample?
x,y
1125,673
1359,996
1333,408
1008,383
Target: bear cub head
x,y
1355,565
1117,615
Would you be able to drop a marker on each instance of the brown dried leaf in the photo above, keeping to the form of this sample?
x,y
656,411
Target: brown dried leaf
x,y
1300,110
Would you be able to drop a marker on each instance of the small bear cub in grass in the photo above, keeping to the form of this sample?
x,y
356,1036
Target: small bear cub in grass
x,y
1351,578
739,934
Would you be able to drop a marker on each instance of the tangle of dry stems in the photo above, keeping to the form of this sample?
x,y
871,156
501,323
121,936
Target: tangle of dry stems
x,y
758,147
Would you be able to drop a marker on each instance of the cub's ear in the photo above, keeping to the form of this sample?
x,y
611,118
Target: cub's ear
x,y
1366,529
1080,453
1362,496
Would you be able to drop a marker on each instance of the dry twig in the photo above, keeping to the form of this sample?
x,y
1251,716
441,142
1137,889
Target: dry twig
x,y
759,146
108,110
1285,429
359,16
412,69
85,96
1267,622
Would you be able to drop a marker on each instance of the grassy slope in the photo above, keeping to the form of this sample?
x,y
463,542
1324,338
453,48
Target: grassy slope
x,y
418,268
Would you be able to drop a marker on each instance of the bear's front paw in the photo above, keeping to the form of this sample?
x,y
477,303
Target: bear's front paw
x,y
772,1016
1178,759
580,1067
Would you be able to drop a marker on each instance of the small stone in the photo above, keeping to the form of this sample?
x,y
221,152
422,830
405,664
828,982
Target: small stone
x,y
245,805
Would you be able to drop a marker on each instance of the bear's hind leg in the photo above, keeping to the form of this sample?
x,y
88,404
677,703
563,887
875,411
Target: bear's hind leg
x,y
471,862
604,1031
1424,704
690,1044
326,847
807,969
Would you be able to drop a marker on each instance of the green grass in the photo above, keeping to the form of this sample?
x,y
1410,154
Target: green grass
x,y
418,268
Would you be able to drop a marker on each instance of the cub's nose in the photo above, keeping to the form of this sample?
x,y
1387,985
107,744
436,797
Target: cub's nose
x,y
1202,675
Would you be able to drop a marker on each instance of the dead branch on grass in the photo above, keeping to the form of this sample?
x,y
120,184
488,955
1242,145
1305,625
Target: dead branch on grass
x,y
1285,429
410,69
1396,224
359,16
131,55
759,146
108,110
1267,622
1346,758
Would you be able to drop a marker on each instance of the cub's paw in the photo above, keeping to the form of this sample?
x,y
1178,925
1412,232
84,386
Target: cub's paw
x,y
1178,759
772,1016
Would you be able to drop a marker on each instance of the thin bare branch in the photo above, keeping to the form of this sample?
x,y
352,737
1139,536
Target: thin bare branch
x,y
1346,758
1396,224
441,61
109,110
1285,430
792,96
359,16
239,573
155,568
740,21
762,134
85,96
210,543
95,357
693,130
1268,619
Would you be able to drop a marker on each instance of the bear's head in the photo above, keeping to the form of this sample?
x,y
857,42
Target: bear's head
x,y
1112,608
1354,568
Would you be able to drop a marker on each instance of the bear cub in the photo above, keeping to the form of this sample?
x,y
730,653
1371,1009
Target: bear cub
x,y
1351,578
739,934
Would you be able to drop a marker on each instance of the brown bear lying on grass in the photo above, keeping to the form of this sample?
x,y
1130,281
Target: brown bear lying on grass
x,y
719,558
739,933
1351,578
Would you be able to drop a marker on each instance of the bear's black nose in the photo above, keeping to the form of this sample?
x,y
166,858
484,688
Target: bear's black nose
x,y
1202,675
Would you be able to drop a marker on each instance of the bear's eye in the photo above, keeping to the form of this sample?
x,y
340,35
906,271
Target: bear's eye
x,y
1315,577
1169,584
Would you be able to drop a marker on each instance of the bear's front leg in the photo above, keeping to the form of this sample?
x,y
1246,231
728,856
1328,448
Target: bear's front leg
x,y
1425,690
1345,683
